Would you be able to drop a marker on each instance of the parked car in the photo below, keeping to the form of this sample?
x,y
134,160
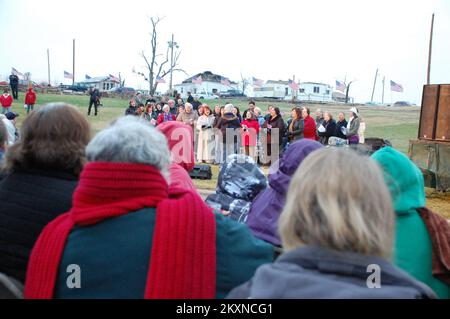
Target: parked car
x,y
206,96
232,93
74,88
402,103
123,90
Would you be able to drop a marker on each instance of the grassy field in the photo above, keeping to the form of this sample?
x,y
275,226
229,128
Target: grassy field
x,y
398,125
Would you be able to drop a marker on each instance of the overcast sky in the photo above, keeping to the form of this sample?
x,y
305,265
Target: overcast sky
x,y
320,40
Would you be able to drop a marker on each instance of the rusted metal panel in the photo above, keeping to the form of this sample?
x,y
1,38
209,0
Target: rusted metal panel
x,y
443,114
428,112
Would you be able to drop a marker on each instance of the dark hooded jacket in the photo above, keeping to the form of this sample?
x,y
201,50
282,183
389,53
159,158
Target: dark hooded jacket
x,y
267,206
228,121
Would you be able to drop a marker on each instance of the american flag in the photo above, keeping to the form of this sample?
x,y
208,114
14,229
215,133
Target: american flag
x,y
197,80
396,87
225,81
87,77
113,78
293,85
340,86
68,75
15,72
257,82
160,80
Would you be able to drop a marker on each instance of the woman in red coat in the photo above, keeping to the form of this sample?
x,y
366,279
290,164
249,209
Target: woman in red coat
x,y
6,101
310,130
250,131
165,116
30,100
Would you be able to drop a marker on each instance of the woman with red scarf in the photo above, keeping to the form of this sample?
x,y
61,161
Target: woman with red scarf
x,y
137,229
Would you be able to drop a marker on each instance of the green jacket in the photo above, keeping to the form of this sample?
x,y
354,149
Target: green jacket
x,y
114,256
412,248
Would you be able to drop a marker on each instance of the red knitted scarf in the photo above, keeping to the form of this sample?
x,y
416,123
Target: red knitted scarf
x,y
183,256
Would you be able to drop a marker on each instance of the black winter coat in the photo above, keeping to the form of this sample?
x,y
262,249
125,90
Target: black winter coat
x,y
330,129
338,129
276,123
228,121
29,200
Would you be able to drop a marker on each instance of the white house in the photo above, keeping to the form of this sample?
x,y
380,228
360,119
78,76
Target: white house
x,y
102,83
210,83
270,89
317,92
308,91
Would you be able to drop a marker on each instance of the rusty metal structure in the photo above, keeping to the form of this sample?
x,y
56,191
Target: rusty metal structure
x,y
431,151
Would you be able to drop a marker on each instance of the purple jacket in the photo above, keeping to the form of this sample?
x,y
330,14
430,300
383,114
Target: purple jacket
x,y
268,205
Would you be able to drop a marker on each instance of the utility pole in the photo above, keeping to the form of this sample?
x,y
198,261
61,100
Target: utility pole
x,y
48,66
73,71
430,49
374,84
172,44
382,98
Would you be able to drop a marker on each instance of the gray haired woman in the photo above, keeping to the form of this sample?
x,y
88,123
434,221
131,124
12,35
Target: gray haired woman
x,y
337,230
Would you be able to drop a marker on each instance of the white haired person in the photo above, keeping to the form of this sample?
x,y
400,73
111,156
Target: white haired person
x,y
229,126
166,115
133,236
337,235
353,126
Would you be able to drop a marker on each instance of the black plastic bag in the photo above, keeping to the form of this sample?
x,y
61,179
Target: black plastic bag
x,y
241,178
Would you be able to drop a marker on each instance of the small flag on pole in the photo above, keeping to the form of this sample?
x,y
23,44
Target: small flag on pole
x,y
160,80
294,86
197,80
15,72
68,75
225,81
340,86
87,77
396,87
257,82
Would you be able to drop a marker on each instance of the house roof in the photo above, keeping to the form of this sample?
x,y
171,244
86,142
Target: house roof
x,y
315,83
98,79
207,76
277,82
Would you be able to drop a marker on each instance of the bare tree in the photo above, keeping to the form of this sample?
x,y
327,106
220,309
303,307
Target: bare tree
x,y
244,82
157,70
121,81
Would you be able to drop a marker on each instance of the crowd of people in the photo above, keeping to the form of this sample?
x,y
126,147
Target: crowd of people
x,y
121,208
223,130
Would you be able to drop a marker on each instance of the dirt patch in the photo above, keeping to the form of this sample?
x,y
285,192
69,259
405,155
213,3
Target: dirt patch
x,y
438,202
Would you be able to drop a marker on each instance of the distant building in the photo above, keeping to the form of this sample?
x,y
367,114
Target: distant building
x,y
317,92
339,97
210,83
308,91
102,83
270,89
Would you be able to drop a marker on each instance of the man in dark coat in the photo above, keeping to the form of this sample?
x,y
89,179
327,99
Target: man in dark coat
x,y
94,100
340,124
190,98
14,83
